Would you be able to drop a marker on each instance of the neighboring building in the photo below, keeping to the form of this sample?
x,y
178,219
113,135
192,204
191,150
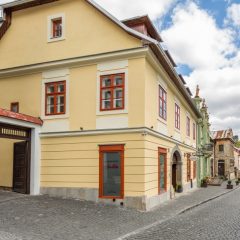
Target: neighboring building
x,y
117,125
224,153
237,161
204,145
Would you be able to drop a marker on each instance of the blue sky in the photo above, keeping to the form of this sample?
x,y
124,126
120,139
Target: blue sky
x,y
203,36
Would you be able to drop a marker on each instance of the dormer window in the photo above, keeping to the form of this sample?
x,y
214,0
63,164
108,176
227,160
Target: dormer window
x,y
57,28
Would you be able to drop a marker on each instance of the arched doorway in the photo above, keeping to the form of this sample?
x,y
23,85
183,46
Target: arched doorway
x,y
176,169
221,167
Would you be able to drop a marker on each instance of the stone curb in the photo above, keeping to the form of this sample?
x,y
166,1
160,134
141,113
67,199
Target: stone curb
x,y
140,230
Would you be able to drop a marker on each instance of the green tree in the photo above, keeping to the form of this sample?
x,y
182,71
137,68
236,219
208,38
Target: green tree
x,y
237,144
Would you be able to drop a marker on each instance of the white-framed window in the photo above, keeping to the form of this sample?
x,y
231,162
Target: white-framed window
x,y
55,95
56,27
120,96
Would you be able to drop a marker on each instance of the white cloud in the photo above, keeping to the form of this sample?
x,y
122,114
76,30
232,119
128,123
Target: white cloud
x,y
233,14
5,1
131,8
195,39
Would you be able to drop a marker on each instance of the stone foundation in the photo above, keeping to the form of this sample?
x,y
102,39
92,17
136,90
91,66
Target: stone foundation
x,y
142,203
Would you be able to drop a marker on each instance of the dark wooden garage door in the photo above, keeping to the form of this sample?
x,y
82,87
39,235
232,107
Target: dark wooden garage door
x,y
20,167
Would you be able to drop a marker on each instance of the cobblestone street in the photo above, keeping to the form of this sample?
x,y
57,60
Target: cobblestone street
x,y
44,218
216,220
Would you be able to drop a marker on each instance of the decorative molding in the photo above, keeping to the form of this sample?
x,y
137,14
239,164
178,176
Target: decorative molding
x,y
141,130
74,62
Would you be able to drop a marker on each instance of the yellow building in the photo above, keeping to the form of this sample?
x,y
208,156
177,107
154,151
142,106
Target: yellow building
x,y
119,125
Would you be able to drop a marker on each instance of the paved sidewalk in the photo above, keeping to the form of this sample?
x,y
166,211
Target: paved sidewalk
x,y
45,218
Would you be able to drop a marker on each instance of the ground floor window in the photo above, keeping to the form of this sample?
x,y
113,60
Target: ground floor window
x,y
162,170
111,171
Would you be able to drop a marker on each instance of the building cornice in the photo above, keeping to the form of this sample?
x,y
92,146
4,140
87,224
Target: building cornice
x,y
73,62
141,130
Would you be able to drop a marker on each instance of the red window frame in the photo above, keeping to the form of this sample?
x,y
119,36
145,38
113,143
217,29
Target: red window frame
x,y
162,103
177,116
188,126
13,105
112,87
194,131
194,169
188,168
162,151
110,148
56,23
55,94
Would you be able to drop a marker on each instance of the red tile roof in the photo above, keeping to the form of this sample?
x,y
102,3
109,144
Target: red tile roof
x,y
20,116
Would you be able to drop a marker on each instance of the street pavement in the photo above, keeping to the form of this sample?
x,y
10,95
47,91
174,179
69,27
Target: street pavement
x,y
215,220
25,217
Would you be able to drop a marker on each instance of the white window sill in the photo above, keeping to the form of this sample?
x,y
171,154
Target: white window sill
x,y
51,117
112,112
56,39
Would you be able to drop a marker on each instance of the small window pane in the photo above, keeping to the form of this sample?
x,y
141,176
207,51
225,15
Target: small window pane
x,y
50,89
106,94
60,99
50,100
118,80
50,109
106,82
118,103
61,88
112,174
106,104
118,93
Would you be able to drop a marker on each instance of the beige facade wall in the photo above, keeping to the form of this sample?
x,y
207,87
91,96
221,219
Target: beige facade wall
x,y
27,90
73,162
154,79
87,32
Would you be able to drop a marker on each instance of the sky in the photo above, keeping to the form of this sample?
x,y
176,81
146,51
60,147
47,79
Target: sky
x,y
203,36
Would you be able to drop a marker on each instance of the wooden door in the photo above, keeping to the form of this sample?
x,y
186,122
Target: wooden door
x,y
221,168
20,167
174,175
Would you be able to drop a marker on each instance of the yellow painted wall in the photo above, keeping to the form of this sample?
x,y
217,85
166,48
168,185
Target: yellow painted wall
x,y
23,89
6,162
87,32
27,90
152,144
74,161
